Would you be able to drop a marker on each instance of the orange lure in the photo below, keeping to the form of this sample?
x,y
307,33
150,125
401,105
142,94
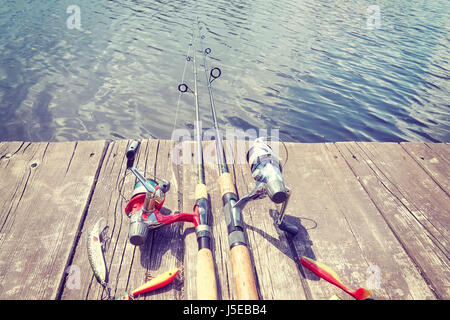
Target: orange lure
x,y
157,282
328,274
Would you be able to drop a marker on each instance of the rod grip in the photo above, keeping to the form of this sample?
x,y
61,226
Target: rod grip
x,y
243,273
226,184
201,191
206,276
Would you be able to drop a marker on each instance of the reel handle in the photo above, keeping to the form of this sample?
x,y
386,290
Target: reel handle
x,y
131,155
176,217
287,227
131,152
164,185
284,225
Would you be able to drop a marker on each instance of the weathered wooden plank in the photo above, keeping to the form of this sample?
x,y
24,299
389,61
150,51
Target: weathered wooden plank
x,y
442,149
409,200
344,229
434,159
52,184
106,203
12,186
358,207
167,250
128,265
275,265
427,201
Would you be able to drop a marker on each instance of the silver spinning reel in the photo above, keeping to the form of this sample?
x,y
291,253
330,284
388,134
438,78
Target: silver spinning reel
x,y
266,170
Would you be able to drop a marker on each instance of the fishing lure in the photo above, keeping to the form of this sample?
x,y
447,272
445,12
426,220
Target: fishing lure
x,y
96,244
328,274
155,283
96,249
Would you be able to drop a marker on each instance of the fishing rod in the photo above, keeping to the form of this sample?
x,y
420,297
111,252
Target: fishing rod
x,y
144,210
244,279
206,277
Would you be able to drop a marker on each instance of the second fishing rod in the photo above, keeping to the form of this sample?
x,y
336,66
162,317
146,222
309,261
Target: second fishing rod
x,y
244,279
206,277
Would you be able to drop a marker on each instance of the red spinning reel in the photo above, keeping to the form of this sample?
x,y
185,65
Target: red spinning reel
x,y
144,207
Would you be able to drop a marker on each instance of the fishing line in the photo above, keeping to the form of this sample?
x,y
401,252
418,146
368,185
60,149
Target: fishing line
x,y
210,77
183,88
213,75
122,181
182,80
284,146
201,176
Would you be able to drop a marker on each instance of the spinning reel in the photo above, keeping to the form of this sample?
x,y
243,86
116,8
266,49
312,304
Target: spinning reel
x,y
266,170
144,207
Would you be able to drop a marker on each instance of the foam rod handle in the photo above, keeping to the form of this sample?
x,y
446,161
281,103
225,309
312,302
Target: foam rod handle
x,y
243,273
206,276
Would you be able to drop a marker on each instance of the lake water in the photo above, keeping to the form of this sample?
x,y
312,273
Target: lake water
x,y
317,71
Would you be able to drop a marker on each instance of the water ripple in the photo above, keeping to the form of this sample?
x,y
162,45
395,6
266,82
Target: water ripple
x,y
312,69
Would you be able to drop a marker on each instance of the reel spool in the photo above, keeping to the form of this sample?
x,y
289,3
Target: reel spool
x,y
266,170
145,205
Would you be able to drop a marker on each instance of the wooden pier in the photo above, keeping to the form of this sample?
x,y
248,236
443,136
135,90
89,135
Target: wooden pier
x,y
377,213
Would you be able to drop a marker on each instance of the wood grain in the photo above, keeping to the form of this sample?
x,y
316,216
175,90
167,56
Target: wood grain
x,y
344,229
368,210
45,189
409,201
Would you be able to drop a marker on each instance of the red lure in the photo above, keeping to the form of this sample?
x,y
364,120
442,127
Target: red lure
x,y
328,274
